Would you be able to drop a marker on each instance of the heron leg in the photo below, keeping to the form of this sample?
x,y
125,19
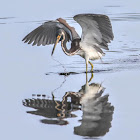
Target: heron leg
x,y
86,67
91,66
91,77
86,78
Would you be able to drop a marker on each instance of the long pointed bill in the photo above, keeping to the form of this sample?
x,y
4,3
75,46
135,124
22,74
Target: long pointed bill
x,y
58,38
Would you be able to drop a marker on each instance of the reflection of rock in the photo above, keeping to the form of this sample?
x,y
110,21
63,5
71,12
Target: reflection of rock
x,y
97,112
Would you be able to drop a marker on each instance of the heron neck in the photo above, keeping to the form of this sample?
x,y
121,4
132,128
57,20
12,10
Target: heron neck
x,y
72,29
74,48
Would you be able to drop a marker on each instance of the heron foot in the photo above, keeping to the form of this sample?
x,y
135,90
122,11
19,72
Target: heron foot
x,y
91,66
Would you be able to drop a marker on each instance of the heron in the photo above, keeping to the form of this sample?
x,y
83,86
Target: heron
x,y
96,34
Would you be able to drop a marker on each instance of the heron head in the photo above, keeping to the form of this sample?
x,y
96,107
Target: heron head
x,y
60,35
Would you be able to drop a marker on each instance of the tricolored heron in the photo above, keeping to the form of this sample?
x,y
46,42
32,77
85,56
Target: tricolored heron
x,y
96,34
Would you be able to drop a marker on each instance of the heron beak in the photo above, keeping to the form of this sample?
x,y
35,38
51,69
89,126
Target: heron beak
x,y
58,38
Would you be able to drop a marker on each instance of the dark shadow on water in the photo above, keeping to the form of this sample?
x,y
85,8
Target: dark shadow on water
x,y
126,17
3,23
113,6
74,73
6,17
131,60
97,111
4,20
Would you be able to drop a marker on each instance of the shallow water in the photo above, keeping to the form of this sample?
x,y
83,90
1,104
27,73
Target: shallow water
x,y
44,97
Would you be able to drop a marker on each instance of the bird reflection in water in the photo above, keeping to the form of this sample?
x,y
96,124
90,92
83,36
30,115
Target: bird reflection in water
x,y
97,111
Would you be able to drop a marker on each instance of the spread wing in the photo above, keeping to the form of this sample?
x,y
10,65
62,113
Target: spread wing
x,y
96,29
45,34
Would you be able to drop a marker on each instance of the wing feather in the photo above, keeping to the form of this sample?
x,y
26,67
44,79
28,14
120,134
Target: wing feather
x,y
45,34
96,29
44,40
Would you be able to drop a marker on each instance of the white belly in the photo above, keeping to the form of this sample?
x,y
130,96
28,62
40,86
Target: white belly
x,y
89,51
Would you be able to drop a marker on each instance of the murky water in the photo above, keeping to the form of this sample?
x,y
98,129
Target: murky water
x,y
44,97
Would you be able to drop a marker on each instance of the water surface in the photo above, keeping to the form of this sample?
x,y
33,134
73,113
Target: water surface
x,y
44,97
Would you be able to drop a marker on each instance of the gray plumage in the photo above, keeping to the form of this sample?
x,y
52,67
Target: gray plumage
x,y
45,34
96,29
96,34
